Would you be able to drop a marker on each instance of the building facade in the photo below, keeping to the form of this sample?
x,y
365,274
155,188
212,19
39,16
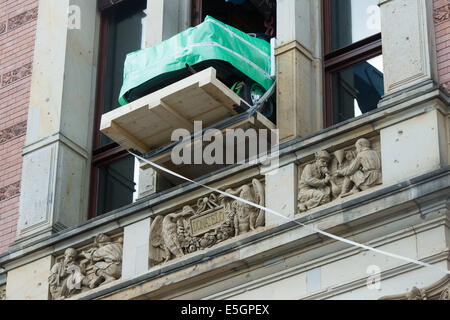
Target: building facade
x,y
362,109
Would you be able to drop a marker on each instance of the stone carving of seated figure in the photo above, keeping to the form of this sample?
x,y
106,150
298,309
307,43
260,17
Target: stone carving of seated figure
x,y
363,172
315,187
106,257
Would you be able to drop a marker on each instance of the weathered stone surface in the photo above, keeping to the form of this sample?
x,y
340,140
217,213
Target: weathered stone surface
x,y
29,282
281,193
136,249
407,151
439,290
409,53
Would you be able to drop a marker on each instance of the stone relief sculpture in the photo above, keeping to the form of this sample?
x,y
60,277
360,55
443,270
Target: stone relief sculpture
x,y
213,219
315,186
2,293
78,272
341,174
364,171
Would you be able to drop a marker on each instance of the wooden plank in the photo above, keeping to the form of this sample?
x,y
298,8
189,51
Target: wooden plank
x,y
149,121
181,121
139,145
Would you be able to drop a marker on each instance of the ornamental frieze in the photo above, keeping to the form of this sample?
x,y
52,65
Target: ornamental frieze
x,y
212,220
338,175
80,270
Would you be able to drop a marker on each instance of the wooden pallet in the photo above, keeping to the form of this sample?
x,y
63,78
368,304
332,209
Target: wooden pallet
x,y
148,123
192,171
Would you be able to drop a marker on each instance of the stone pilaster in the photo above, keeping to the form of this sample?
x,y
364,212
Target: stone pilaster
x,y
56,155
136,249
299,67
281,193
409,49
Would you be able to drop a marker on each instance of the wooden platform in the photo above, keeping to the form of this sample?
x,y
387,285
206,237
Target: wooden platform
x,y
148,123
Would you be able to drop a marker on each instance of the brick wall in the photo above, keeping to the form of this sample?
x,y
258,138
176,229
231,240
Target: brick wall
x,y
17,34
442,25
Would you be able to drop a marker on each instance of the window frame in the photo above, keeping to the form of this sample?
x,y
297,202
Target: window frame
x,y
111,152
342,58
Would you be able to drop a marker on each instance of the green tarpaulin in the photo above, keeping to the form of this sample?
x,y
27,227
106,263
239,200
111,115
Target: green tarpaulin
x,y
210,40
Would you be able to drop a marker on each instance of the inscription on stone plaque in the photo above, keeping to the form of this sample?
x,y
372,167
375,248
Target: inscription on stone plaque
x,y
207,221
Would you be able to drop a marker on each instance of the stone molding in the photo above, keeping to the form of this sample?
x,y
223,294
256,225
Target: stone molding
x,y
437,291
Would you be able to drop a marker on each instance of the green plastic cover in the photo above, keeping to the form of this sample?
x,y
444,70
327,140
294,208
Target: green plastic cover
x,y
210,40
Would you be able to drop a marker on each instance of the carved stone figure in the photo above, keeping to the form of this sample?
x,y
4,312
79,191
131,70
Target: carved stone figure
x,y
66,277
78,272
212,220
445,295
364,171
164,236
315,186
344,172
106,257
416,294
2,293
248,217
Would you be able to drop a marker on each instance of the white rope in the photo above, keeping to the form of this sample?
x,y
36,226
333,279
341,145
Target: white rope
x,y
356,244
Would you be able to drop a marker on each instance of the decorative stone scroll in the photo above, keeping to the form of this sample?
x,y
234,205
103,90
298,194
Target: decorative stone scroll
x,y
345,172
213,219
82,270
437,291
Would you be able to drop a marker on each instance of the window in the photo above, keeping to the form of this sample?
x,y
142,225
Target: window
x,y
112,175
250,16
353,61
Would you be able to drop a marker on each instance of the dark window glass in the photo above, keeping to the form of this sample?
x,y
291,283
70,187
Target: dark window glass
x,y
352,21
115,184
124,36
357,89
112,175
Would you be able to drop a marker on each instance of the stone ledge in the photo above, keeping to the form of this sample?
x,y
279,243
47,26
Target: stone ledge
x,y
247,260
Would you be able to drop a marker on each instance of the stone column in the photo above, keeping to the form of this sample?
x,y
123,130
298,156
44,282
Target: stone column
x,y
408,39
281,193
299,67
56,155
136,249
